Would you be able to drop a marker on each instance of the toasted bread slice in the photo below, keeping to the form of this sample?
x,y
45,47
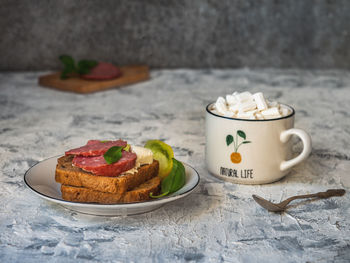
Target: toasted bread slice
x,y
67,174
85,195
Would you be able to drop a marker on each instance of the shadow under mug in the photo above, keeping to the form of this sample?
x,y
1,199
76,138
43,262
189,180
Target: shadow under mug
x,y
252,151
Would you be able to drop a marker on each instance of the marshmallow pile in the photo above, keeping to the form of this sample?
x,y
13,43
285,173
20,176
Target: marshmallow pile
x,y
248,106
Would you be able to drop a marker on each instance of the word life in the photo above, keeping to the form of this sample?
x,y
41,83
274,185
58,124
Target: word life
x,y
246,173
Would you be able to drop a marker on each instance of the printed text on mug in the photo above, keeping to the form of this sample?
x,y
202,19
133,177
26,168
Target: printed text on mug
x,y
246,173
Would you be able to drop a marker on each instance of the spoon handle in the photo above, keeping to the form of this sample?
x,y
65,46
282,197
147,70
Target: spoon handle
x,y
328,193
331,192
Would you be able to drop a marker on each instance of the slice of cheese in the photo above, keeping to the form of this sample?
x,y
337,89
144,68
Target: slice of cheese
x,y
144,156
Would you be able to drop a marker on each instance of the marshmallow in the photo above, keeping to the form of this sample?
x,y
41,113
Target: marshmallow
x,y
234,107
252,112
260,101
271,112
284,111
230,99
272,104
229,114
259,116
244,115
215,112
247,105
247,114
221,100
221,107
243,96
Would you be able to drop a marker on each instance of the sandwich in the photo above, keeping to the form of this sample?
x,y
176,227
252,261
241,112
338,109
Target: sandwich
x,y
108,172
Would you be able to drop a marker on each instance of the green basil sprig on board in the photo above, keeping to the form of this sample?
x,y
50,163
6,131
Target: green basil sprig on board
x,y
174,181
83,67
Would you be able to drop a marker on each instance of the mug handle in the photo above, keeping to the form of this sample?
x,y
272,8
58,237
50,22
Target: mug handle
x,y
305,138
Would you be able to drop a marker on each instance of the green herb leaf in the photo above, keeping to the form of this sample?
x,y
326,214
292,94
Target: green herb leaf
x,y
168,181
127,148
113,154
69,66
229,139
246,142
104,141
65,72
174,181
67,61
241,134
180,178
158,196
84,66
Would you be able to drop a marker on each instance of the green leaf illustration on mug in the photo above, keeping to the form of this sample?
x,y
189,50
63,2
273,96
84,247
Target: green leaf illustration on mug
x,y
229,139
236,156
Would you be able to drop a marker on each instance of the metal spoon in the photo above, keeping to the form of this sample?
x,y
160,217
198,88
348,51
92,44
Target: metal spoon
x,y
282,206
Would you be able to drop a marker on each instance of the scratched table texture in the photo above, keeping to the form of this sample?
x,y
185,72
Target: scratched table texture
x,y
219,222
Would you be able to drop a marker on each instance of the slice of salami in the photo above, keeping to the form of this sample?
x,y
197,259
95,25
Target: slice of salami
x,y
90,142
98,166
95,147
103,71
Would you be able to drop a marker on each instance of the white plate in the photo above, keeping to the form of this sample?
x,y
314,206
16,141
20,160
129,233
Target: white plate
x,y
40,178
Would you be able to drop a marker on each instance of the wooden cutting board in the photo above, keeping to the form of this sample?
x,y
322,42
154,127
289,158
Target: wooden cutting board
x,y
130,75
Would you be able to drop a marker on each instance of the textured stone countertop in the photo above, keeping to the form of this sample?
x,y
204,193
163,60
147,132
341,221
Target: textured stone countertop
x,y
219,222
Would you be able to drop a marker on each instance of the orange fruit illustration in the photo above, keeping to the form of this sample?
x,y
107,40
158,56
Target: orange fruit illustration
x,y
236,157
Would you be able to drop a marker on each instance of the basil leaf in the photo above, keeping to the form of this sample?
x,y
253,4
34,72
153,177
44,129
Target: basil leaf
x,y
113,154
69,66
65,72
168,181
84,66
67,61
229,139
246,142
241,134
180,177
174,181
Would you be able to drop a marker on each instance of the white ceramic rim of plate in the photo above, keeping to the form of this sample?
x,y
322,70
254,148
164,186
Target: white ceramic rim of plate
x,y
170,198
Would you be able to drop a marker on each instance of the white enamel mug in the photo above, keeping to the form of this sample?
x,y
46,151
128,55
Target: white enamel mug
x,y
252,151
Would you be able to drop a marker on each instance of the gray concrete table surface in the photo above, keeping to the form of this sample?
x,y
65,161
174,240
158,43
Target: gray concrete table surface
x,y
219,222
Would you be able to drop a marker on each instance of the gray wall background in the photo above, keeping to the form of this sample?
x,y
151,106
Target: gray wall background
x,y
173,34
